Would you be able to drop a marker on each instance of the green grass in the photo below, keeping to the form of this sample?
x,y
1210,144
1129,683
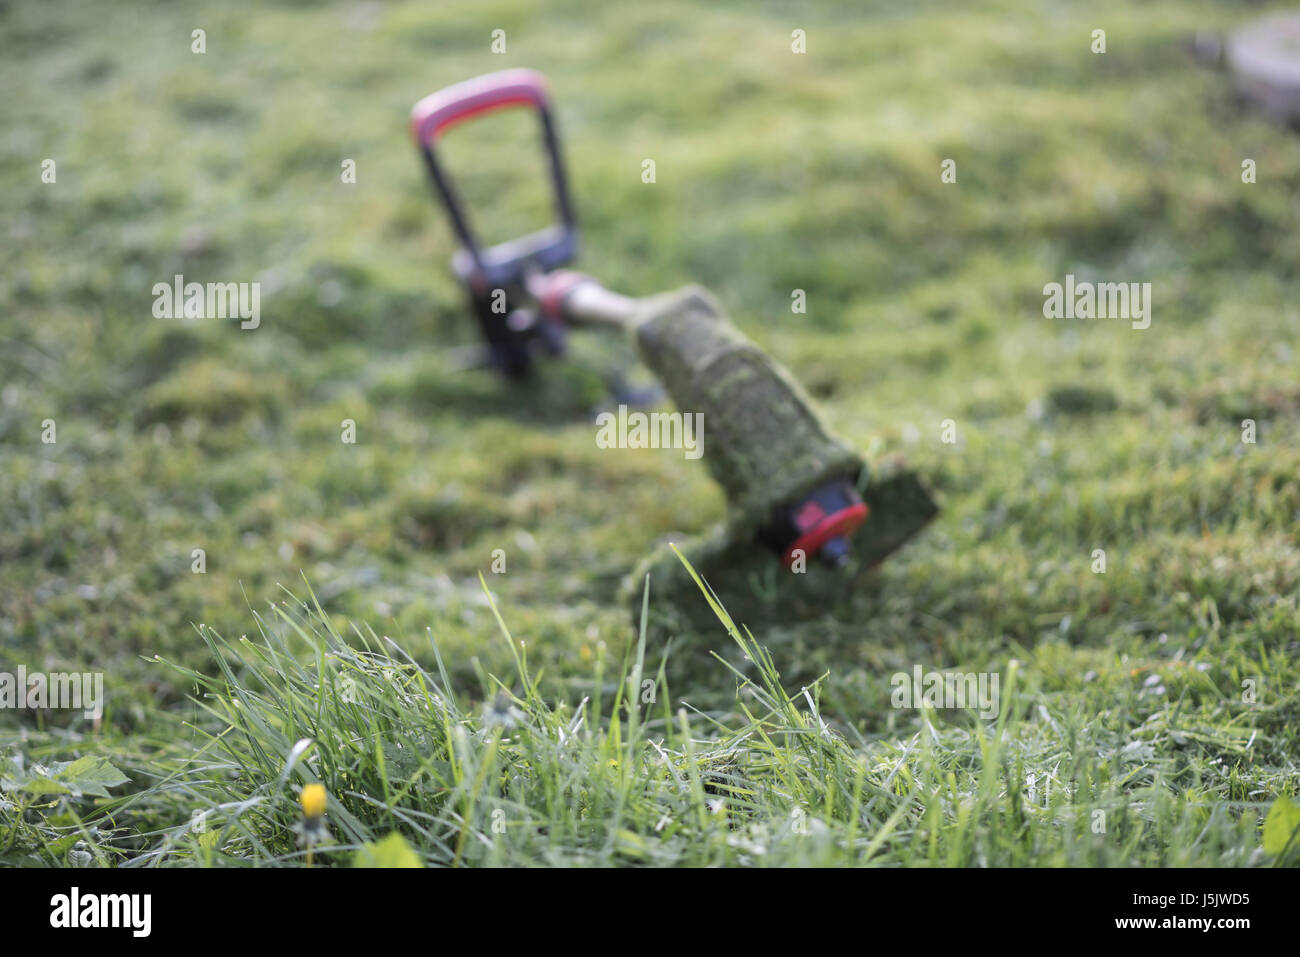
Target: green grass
x,y
528,782
775,172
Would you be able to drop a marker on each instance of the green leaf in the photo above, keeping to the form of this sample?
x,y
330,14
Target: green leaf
x,y
392,851
40,786
13,773
89,775
58,848
1281,825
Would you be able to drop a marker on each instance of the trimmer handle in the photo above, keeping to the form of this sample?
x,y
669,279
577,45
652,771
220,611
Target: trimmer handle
x,y
507,263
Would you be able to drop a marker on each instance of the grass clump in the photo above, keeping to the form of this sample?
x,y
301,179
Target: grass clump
x,y
625,775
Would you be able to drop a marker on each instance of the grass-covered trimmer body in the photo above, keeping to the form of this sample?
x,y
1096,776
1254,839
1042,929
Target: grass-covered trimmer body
x,y
792,487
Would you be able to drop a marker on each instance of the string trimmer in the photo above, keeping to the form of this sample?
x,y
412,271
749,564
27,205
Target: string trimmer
x,y
791,485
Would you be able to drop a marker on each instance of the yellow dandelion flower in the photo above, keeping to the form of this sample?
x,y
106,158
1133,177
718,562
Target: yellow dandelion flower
x,y
313,800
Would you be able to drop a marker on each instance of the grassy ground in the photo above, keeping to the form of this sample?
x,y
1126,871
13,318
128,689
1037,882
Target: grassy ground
x,y
1122,692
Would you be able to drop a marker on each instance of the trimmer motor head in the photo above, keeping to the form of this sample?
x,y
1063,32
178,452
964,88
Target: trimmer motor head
x,y
819,524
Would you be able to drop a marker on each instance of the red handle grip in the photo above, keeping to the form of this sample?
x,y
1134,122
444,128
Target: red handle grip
x,y
438,111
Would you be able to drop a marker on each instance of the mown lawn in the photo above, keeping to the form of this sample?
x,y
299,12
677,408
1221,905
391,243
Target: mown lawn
x,y
1162,692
